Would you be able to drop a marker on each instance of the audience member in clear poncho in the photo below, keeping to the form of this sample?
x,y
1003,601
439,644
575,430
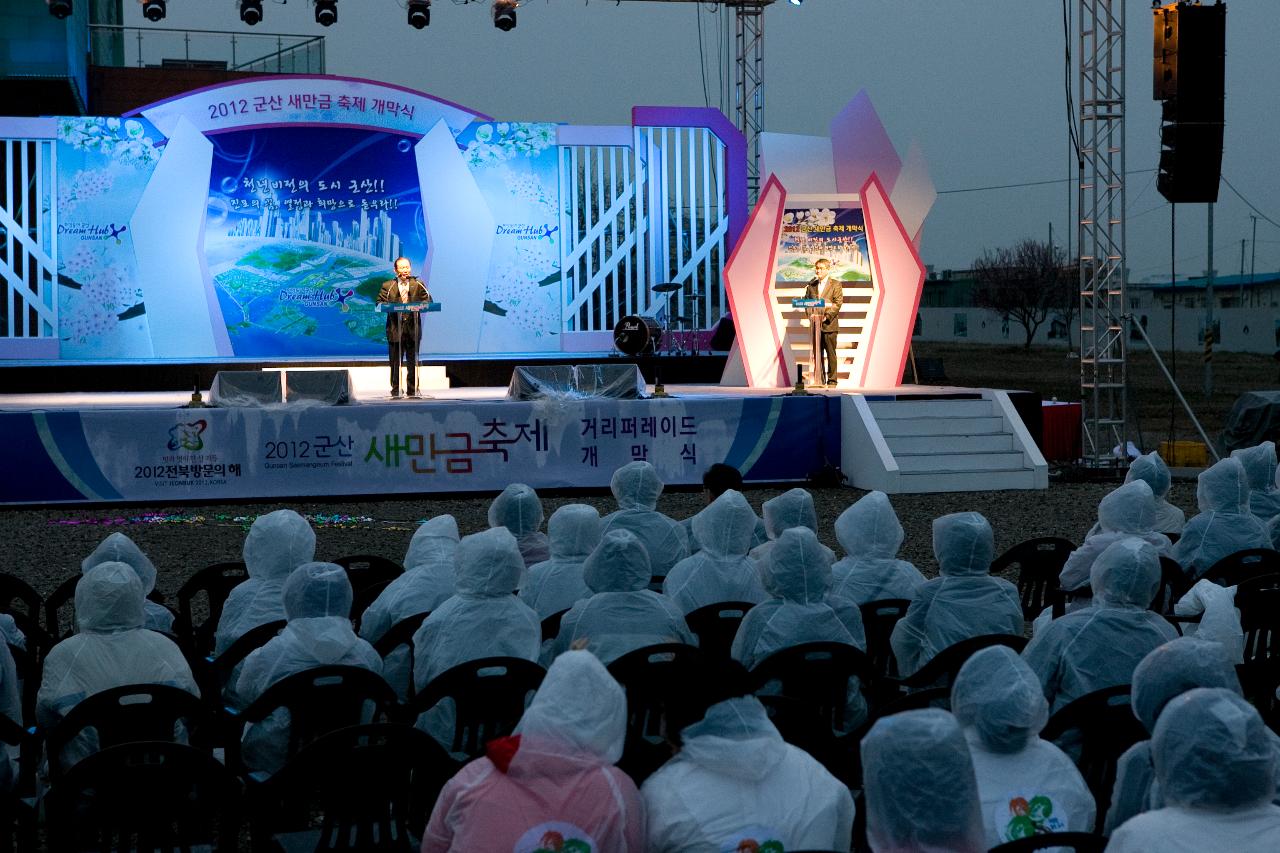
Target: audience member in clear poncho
x,y
1127,512
636,487
736,785
716,480
963,601
1260,467
870,533
111,649
1215,765
482,619
792,508
118,548
552,785
11,707
1027,785
918,780
798,577
277,543
428,580
1225,524
622,614
1101,645
1150,469
317,603
518,508
556,584
721,570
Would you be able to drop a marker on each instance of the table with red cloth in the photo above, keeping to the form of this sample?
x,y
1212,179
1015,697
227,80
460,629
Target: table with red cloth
x,y
1060,440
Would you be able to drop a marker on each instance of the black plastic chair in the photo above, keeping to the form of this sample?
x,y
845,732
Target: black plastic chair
x,y
878,619
401,634
370,788
489,696
1038,562
716,625
23,603
1174,584
551,625
206,591
661,685
362,598
1242,565
1258,601
28,662
128,714
366,570
213,673
145,796
1096,729
319,700
942,668
1080,842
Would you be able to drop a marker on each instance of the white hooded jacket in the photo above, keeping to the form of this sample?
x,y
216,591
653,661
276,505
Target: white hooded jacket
x,y
1225,523
1260,467
870,533
277,543
556,584
1150,468
637,487
519,509
118,548
1129,511
792,508
721,571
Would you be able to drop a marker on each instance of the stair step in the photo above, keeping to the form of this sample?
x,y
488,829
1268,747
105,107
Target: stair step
x,y
996,442
951,481
951,461
885,410
896,427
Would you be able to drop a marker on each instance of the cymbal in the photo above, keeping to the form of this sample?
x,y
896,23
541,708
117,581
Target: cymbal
x,y
667,287
682,319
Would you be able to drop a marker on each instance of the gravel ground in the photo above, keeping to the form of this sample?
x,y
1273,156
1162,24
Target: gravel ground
x,y
46,545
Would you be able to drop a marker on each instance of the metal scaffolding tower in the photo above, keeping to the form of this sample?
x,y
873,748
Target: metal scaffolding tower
x,y
1101,231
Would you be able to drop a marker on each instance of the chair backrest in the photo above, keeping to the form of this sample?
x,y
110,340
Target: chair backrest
x,y
1259,608
128,714
816,674
878,619
551,625
362,598
60,610
660,682
1098,727
1081,842
1038,562
372,787
401,634
27,662
214,672
1174,584
20,601
364,570
716,625
1242,565
145,796
200,602
489,696
942,668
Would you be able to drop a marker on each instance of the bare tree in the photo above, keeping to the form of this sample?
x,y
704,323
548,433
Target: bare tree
x,y
1024,283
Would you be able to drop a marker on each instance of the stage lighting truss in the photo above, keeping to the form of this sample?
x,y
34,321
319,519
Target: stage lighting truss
x,y
326,12
251,11
153,10
59,8
504,14
419,13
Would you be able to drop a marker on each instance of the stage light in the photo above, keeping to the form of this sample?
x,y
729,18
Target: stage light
x,y
326,12
504,14
419,13
795,2
153,10
251,11
59,8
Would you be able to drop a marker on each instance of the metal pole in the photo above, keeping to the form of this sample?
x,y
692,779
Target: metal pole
x,y
1208,316
1253,250
1174,385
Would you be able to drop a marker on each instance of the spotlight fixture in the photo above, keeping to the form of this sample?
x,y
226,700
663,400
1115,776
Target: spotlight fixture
x,y
153,10
419,13
60,8
795,2
504,14
326,12
251,11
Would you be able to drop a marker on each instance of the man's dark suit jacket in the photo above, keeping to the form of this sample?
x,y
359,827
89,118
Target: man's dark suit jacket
x,y
405,326
833,293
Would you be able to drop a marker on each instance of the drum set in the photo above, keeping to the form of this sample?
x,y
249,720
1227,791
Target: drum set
x,y
661,332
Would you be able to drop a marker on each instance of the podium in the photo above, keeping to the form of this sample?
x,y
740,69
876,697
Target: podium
x,y
813,309
408,308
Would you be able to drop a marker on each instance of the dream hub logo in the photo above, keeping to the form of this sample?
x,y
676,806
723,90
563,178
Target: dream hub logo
x,y
528,231
309,298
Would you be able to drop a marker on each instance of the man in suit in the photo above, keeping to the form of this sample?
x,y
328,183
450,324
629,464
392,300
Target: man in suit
x,y
404,329
824,287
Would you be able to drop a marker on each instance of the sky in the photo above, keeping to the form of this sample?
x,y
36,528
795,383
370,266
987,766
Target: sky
x,y
980,87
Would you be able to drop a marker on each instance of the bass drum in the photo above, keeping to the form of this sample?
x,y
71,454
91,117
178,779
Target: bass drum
x,y
637,335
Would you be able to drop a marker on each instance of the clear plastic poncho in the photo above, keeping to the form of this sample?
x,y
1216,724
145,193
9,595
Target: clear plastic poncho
x,y
636,487
1027,785
1100,646
277,543
622,614
111,649
553,783
1150,468
721,570
870,533
317,603
119,548
1129,511
1225,523
736,785
555,584
518,508
1260,467
963,602
759,535
921,792
792,508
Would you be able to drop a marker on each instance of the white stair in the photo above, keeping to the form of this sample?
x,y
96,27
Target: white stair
x,y
911,445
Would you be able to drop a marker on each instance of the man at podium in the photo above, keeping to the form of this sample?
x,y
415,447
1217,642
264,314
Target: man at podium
x,y
830,290
404,329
